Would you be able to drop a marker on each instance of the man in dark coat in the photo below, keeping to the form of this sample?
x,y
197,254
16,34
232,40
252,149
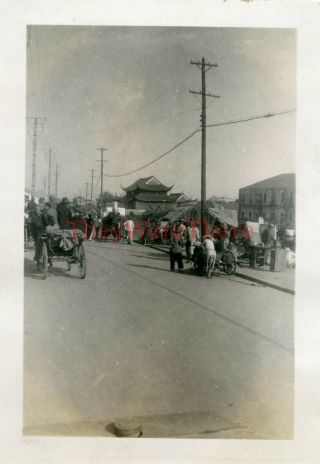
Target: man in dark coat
x,y
176,241
64,214
37,230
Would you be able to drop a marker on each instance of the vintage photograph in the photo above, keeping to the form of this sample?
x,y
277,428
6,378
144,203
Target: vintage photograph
x,y
159,232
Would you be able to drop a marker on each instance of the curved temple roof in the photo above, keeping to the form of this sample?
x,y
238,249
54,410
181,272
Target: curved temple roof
x,y
148,184
147,197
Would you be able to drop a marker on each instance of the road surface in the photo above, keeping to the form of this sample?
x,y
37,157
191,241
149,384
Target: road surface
x,y
135,340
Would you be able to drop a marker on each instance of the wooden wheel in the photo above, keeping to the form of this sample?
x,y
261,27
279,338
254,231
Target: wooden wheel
x,y
82,261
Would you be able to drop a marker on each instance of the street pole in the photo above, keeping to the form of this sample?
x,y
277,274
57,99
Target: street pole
x,y
87,183
34,157
102,150
37,127
203,149
49,173
56,181
92,176
204,68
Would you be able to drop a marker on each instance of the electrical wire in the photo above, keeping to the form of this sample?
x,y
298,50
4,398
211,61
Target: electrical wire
x,y
226,123
251,118
156,159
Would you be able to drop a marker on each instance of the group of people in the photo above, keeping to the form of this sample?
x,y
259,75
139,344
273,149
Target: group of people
x,y
187,235
49,216
52,216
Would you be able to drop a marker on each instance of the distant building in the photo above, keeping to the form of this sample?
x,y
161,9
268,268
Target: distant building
x,y
272,199
149,192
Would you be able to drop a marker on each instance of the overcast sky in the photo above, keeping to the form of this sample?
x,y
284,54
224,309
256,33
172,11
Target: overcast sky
x,y
127,89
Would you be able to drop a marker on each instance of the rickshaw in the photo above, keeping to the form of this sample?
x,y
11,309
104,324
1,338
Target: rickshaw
x,y
225,260
64,246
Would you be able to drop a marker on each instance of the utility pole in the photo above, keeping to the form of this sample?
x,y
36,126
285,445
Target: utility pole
x,y
36,132
34,157
44,185
92,176
204,68
102,150
56,192
49,173
87,183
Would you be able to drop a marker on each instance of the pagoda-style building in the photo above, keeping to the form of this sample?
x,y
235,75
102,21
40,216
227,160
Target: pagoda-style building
x,y
149,192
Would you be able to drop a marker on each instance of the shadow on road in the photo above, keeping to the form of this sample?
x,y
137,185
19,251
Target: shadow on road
x,y
147,267
30,270
146,256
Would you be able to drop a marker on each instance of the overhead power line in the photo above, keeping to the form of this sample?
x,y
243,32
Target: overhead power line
x,y
156,159
225,123
251,118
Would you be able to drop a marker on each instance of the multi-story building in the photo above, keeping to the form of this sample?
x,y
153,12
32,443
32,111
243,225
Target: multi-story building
x,y
272,199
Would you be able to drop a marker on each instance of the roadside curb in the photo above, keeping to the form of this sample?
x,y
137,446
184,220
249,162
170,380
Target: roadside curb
x,y
243,276
265,283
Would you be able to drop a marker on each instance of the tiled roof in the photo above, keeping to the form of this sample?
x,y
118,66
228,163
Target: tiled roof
x,y
142,184
282,180
154,198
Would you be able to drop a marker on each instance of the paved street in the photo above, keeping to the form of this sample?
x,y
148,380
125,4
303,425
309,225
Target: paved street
x,y
135,340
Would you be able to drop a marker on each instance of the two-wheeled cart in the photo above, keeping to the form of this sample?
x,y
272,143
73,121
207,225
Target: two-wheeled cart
x,y
225,260
64,246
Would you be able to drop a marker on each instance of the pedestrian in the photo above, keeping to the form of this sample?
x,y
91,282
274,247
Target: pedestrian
x,y
90,223
64,214
182,226
97,225
209,249
146,232
188,235
176,242
37,230
42,204
129,227
51,208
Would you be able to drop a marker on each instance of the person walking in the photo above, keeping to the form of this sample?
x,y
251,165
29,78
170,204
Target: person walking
x,y
37,230
129,227
176,242
188,235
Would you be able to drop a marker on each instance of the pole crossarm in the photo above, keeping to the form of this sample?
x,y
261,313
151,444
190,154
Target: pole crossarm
x,y
208,94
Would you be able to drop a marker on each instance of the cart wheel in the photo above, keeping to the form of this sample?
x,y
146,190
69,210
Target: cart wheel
x,y
82,261
229,263
44,261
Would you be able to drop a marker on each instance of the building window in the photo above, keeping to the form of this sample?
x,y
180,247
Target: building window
x,y
242,215
265,197
250,198
282,197
250,215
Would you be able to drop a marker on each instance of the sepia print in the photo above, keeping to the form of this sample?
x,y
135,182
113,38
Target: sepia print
x,y
159,233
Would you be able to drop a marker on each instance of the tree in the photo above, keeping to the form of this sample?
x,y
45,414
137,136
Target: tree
x,y
107,197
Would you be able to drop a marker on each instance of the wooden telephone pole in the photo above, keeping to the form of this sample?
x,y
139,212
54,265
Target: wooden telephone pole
x,y
204,68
